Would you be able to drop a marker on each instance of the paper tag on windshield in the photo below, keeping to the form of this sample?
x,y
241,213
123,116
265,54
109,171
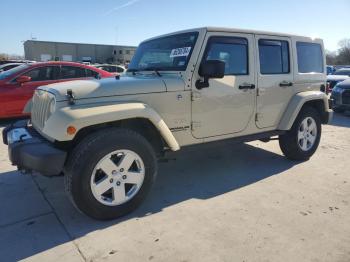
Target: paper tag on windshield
x,y
182,51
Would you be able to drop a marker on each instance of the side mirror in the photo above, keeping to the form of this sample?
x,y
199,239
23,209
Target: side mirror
x,y
210,69
23,79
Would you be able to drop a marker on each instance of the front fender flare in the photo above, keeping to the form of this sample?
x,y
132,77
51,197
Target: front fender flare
x,y
88,115
297,102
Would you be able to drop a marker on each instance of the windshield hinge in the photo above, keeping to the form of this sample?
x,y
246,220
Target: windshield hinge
x,y
195,125
70,97
195,95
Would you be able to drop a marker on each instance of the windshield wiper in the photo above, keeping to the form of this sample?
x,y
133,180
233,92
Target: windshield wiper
x,y
133,70
154,69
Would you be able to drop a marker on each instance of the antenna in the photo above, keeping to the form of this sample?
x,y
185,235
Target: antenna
x,y
32,37
116,28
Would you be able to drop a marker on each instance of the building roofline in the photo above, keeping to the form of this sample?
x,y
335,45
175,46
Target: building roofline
x,y
72,43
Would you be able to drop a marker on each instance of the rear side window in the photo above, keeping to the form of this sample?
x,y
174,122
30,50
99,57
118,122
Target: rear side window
x,y
310,58
90,73
72,72
232,51
274,56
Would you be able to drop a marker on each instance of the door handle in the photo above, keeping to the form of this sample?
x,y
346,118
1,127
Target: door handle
x,y
286,83
246,86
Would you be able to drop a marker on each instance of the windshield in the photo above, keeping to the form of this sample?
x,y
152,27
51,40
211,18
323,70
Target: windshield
x,y
342,72
12,71
170,53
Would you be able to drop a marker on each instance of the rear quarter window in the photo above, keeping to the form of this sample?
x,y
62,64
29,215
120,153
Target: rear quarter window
x,y
310,57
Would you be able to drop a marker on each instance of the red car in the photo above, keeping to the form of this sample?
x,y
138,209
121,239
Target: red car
x,y
17,85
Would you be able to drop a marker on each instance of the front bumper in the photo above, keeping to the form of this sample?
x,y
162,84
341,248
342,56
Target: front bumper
x,y
32,152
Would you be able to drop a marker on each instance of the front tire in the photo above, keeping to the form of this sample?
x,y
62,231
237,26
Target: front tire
x,y
110,172
302,140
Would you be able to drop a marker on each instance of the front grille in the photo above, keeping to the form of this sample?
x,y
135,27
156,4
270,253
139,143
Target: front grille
x,y
346,97
40,108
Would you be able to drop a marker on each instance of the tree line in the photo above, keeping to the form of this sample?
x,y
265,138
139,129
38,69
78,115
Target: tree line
x,y
341,56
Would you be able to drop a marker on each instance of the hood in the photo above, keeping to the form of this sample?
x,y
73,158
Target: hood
x,y
125,85
344,84
336,77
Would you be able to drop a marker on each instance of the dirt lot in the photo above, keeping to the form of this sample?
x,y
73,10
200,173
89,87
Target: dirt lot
x,y
235,203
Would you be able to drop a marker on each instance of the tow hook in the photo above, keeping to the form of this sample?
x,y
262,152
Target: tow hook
x,y
25,171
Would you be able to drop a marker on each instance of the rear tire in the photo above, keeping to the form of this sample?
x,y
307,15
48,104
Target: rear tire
x,y
110,172
302,140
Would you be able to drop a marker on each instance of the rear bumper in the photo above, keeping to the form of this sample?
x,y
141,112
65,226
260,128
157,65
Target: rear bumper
x,y
328,114
35,153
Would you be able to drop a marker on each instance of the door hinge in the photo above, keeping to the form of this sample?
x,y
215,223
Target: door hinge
x,y
258,117
195,124
195,95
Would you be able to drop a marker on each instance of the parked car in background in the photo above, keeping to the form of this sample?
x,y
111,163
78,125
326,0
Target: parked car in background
x,y
337,77
2,62
9,66
330,70
17,85
115,69
341,96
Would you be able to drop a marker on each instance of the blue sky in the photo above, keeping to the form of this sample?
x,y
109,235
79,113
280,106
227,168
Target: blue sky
x,y
130,21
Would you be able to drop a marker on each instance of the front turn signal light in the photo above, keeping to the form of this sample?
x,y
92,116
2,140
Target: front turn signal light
x,y
71,130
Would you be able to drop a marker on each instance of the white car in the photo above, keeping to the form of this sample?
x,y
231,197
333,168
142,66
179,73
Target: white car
x,y
114,69
9,66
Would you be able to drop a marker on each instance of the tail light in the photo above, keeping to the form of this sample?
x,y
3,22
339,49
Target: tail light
x,y
328,88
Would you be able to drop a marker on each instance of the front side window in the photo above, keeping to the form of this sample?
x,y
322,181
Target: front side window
x,y
232,51
72,72
274,57
42,73
170,53
310,58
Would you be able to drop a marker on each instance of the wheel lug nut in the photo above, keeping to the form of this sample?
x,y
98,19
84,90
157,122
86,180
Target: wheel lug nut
x,y
114,172
124,177
122,170
111,180
118,183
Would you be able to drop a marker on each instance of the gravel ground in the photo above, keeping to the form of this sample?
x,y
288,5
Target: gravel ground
x,y
235,203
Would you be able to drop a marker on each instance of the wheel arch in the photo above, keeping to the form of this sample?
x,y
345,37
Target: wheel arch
x,y
315,99
136,116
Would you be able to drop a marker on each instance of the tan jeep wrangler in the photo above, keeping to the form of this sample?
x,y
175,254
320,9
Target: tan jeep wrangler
x,y
181,89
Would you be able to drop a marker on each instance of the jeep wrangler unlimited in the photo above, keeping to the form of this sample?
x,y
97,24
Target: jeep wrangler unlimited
x,y
186,88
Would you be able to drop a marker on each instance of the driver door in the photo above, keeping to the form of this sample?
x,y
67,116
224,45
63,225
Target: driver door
x,y
227,105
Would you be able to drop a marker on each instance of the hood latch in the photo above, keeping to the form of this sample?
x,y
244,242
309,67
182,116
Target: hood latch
x,y
70,96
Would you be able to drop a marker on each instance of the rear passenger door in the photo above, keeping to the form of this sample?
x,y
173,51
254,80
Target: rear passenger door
x,y
275,78
72,73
